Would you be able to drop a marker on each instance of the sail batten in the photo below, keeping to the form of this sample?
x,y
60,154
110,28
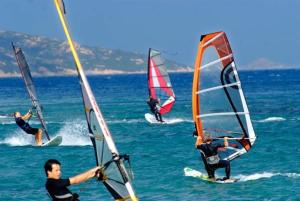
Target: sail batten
x,y
115,176
26,75
222,114
218,102
215,62
159,84
218,87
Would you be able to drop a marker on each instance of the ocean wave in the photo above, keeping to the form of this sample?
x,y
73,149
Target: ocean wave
x,y
176,120
271,119
74,134
166,121
125,121
264,175
8,121
18,139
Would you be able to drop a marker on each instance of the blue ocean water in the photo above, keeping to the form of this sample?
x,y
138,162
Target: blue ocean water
x,y
270,171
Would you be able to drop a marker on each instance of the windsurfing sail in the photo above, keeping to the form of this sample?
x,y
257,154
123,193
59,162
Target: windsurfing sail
x,y
26,75
114,174
159,84
218,101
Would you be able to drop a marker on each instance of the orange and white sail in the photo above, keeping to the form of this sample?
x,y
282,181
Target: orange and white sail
x,y
218,101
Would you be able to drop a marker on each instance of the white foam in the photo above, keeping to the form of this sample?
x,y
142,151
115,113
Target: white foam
x,y
125,121
18,139
4,117
271,119
74,134
263,175
176,120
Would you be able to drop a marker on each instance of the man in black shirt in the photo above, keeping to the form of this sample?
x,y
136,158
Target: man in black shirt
x,y
21,122
57,187
154,107
210,157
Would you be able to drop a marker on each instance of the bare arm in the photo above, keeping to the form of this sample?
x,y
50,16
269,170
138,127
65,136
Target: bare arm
x,y
84,176
198,141
27,115
226,141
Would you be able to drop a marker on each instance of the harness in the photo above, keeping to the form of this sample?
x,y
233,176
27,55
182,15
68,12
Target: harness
x,y
212,160
65,197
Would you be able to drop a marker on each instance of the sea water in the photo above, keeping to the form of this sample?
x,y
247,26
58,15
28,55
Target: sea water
x,y
269,171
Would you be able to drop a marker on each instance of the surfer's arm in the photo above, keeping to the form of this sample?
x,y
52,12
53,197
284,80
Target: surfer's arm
x,y
27,115
226,141
84,176
198,142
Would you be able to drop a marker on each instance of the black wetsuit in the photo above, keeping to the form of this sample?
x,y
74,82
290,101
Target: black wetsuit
x,y
25,126
153,107
57,189
209,150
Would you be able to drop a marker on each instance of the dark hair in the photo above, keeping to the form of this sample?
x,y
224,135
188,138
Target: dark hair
x,y
48,165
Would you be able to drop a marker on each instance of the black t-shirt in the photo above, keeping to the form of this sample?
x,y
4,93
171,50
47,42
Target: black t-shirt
x,y
210,149
21,123
58,190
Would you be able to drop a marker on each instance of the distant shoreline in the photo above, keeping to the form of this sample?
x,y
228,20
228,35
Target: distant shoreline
x,y
120,72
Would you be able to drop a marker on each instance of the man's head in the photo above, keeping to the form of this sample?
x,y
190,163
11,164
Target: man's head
x,y
52,169
207,137
17,114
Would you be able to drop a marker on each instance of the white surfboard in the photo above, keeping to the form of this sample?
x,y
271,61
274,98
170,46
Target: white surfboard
x,y
151,119
53,142
189,172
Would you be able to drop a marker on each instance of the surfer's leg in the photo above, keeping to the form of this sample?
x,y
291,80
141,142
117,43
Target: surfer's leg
x,y
160,118
38,137
227,169
211,173
225,164
156,115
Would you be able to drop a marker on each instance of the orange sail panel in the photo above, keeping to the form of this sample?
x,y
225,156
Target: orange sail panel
x,y
218,101
159,83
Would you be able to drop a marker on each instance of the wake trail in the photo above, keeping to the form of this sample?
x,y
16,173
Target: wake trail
x,y
264,175
271,119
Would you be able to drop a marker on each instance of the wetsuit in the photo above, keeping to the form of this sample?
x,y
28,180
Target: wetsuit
x,y
25,126
57,189
209,155
153,107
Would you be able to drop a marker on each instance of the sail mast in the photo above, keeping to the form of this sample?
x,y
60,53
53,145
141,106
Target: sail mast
x,y
26,75
115,177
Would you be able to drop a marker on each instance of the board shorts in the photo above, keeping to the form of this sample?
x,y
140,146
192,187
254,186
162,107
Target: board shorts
x,y
31,131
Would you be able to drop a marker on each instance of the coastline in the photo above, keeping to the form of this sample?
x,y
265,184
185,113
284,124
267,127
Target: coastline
x,y
95,72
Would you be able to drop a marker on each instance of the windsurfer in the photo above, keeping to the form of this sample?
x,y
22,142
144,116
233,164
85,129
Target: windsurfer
x,y
57,187
210,157
154,107
21,122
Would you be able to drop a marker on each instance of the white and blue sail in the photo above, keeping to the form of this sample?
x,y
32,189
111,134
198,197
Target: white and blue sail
x,y
114,174
26,75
